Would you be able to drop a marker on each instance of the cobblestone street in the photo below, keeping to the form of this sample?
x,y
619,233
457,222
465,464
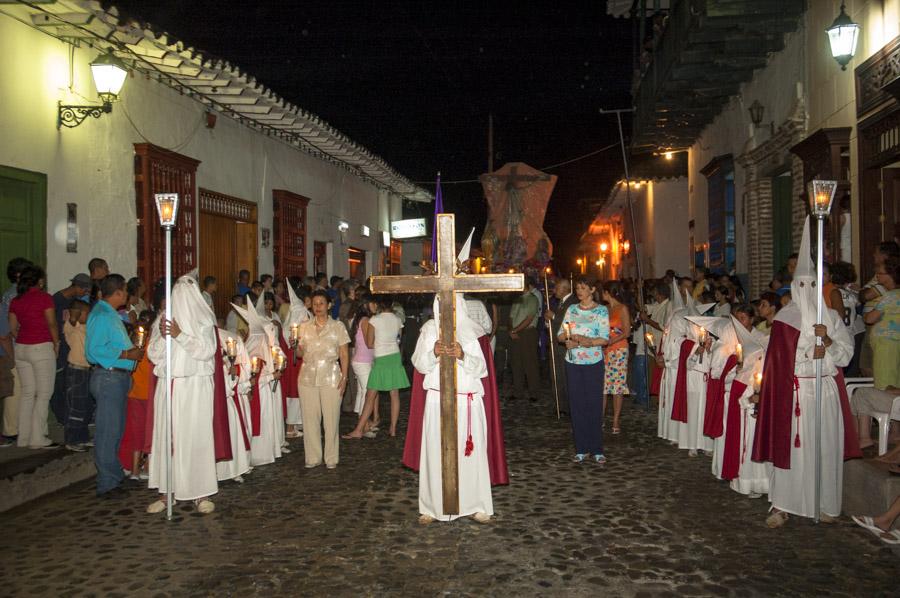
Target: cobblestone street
x,y
653,521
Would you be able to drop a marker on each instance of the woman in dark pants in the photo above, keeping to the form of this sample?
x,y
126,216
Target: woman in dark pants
x,y
585,331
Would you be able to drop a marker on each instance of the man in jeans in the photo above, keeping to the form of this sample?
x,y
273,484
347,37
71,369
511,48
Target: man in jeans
x,y
113,356
523,318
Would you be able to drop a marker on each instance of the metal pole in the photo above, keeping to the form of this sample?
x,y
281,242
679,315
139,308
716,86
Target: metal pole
x,y
552,342
170,494
637,251
820,221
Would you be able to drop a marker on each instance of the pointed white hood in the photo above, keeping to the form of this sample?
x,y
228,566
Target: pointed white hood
x,y
260,307
752,348
189,309
298,312
677,299
463,256
466,329
258,325
804,290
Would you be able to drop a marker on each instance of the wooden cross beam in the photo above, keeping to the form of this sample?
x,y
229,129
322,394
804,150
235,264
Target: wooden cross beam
x,y
446,283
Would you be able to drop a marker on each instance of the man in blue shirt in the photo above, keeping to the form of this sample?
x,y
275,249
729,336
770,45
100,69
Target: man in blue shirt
x,y
113,356
8,382
243,284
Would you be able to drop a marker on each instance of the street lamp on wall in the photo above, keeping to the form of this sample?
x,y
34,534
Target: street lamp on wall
x,y
843,34
109,75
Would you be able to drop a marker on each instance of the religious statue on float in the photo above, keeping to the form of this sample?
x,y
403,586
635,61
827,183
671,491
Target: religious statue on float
x,y
517,197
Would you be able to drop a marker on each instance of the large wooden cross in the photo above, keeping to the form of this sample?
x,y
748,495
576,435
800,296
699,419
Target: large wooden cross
x,y
445,283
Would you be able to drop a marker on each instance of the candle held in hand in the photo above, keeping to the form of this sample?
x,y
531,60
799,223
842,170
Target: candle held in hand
x,y
230,348
254,365
295,333
140,337
757,381
739,353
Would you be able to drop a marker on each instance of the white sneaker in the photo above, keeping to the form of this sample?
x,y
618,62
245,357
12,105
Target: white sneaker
x,y
285,450
156,507
239,479
692,453
205,506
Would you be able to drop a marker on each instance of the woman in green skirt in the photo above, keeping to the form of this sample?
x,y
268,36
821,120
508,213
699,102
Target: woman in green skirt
x,y
387,370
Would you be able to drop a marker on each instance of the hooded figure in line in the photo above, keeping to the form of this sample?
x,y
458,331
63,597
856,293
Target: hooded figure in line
x,y
786,425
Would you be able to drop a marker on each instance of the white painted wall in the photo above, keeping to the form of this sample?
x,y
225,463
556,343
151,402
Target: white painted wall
x,y
732,132
92,165
661,223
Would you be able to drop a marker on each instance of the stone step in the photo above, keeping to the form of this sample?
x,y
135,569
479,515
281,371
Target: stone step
x,y
869,488
38,473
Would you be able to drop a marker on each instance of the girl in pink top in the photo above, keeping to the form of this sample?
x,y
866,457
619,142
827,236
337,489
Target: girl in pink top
x,y
362,337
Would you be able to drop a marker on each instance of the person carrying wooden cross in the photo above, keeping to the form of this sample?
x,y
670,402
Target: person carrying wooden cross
x,y
474,474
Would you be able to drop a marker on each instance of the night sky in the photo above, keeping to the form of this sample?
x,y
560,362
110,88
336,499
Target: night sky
x,y
414,82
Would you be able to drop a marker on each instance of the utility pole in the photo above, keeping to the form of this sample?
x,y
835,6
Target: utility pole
x,y
490,143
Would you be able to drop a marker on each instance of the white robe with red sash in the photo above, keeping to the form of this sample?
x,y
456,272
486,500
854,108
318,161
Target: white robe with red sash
x,y
474,472
792,490
236,387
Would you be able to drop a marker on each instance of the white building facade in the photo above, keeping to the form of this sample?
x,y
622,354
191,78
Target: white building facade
x,y
710,63
264,185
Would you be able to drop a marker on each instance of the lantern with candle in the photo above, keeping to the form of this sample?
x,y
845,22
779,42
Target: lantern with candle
x,y
255,365
739,354
231,350
757,382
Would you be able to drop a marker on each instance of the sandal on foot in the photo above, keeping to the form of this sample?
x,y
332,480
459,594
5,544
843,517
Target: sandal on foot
x,y
351,437
370,434
481,517
891,537
866,522
426,519
776,519
616,431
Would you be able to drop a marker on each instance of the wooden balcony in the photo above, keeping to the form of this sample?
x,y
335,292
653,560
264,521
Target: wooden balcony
x,y
707,49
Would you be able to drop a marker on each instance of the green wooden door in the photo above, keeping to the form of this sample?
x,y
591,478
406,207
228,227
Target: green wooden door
x,y
23,217
782,220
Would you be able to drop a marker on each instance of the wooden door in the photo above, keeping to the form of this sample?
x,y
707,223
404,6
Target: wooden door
x,y
158,170
356,259
289,228
23,217
319,259
245,257
227,243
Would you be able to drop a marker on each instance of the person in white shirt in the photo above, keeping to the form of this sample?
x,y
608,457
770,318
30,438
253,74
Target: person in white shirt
x,y
387,372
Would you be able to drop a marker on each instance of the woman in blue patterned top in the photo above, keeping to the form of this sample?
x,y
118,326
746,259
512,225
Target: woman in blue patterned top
x,y
585,332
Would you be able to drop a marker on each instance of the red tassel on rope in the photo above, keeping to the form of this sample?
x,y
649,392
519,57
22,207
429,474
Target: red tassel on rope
x,y
469,444
797,411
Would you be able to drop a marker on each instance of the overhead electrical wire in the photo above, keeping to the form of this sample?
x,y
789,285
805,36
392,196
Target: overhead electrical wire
x,y
551,167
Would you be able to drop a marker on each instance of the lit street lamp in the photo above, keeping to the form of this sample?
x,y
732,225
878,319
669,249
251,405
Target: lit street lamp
x,y
843,34
167,208
109,75
821,195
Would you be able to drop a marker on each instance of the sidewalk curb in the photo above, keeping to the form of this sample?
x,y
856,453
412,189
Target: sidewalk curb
x,y
50,477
